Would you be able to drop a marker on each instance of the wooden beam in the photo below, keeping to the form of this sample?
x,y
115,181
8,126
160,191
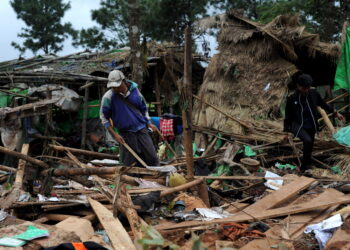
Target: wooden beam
x,y
120,239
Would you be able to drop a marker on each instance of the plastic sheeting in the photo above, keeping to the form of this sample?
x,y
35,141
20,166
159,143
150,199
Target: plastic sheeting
x,y
343,136
67,99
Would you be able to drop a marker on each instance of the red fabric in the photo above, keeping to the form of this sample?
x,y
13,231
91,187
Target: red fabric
x,y
167,128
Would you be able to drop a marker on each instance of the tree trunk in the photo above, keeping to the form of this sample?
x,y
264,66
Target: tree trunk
x,y
134,38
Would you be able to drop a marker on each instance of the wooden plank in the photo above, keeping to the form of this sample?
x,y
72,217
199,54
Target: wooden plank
x,y
267,214
284,211
120,239
295,224
340,239
278,197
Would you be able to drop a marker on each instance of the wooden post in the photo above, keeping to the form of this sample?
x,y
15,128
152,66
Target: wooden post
x,y
157,89
186,93
85,114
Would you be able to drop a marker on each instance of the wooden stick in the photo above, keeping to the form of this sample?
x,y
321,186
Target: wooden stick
x,y
210,147
134,154
181,187
326,120
8,169
49,137
85,152
339,110
338,97
24,157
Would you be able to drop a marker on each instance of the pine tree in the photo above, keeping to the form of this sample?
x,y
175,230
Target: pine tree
x,y
44,30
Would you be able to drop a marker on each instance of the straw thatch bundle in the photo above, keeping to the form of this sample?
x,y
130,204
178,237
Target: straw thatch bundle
x,y
248,79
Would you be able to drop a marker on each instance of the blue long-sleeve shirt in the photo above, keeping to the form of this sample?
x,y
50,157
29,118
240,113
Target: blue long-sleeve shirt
x,y
124,117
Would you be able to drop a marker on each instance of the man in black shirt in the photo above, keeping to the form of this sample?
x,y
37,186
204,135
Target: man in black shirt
x,y
301,116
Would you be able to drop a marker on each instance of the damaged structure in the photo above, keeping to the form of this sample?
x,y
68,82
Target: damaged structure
x,y
65,183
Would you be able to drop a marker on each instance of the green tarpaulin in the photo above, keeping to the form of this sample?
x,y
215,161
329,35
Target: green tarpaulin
x,y
342,75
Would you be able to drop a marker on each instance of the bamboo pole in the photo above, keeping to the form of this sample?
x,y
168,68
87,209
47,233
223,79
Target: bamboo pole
x,y
182,187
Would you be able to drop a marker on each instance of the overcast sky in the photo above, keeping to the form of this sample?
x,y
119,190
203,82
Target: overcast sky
x,y
79,15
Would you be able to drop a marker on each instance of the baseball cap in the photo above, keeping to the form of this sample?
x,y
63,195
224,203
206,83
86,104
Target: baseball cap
x,y
305,80
115,78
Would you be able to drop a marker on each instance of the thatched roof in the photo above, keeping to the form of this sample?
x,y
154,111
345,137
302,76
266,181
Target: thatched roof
x,y
249,77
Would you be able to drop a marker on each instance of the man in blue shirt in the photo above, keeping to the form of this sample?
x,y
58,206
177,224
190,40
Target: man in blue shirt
x,y
124,108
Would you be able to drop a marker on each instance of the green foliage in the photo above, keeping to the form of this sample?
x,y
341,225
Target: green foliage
x,y
44,30
160,20
154,240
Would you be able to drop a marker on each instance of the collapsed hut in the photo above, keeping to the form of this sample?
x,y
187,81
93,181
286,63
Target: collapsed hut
x,y
58,98
248,79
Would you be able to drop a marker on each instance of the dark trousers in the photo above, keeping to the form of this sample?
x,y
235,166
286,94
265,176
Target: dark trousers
x,y
307,136
141,142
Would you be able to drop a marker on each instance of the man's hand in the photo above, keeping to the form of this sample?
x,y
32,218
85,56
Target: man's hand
x,y
119,138
340,116
152,127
